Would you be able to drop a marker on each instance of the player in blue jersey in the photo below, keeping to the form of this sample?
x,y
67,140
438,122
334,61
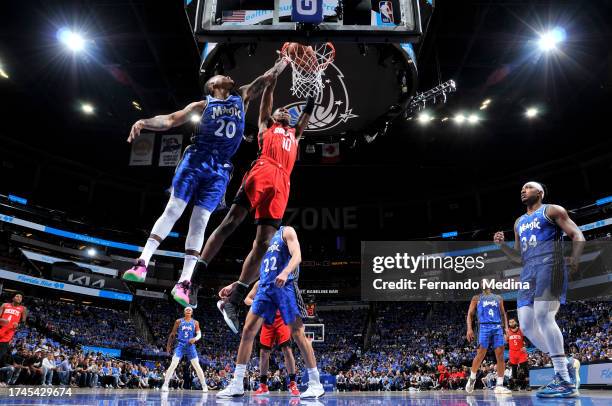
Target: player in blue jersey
x,y
187,333
537,246
204,171
277,291
492,321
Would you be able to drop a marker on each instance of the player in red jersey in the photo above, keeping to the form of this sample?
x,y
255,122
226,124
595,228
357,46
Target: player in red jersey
x,y
264,191
11,314
277,333
518,355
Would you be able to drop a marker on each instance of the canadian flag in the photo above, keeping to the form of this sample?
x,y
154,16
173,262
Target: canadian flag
x,y
330,153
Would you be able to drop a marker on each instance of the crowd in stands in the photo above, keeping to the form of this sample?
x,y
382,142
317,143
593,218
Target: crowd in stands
x,y
415,346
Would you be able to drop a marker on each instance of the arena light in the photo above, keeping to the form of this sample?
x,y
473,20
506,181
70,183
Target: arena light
x,y
424,118
72,40
604,201
550,40
444,119
92,252
87,108
136,105
3,72
473,119
195,118
459,119
532,112
486,102
17,199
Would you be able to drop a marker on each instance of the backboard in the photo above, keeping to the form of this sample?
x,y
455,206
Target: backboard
x,y
366,21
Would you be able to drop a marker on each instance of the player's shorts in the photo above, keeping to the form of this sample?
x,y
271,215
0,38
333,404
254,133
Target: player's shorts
x,y
6,334
270,299
517,357
546,282
490,335
265,189
186,350
201,176
277,333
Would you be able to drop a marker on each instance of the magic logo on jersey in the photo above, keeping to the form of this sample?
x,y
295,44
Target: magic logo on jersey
x,y
274,247
226,111
332,106
486,303
533,225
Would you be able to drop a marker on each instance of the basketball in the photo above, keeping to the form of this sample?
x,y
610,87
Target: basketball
x,y
302,55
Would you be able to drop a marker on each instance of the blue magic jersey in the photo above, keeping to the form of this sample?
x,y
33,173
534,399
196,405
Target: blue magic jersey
x,y
221,126
276,259
537,234
186,331
488,309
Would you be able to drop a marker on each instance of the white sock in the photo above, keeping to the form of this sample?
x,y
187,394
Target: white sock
x,y
500,381
472,375
188,267
313,375
239,372
148,250
560,364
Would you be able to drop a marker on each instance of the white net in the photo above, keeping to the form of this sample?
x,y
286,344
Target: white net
x,y
307,66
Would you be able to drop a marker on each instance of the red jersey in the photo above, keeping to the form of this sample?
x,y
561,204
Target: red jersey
x,y
516,340
13,315
279,144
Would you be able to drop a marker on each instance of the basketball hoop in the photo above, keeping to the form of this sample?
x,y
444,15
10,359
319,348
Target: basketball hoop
x,y
307,66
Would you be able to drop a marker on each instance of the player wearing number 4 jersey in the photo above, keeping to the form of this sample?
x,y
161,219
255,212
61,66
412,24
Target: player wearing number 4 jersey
x,y
264,191
204,171
489,309
11,314
537,246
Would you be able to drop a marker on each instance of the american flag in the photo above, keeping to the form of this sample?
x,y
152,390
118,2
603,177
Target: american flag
x,y
233,16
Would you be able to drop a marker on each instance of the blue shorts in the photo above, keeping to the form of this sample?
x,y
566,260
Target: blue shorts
x,y
201,176
539,273
490,334
287,299
188,350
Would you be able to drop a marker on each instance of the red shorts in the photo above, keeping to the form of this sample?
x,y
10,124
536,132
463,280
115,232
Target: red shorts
x,y
276,333
265,189
6,334
517,357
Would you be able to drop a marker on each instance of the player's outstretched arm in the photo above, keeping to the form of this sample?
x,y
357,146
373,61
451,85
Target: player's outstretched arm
x,y
166,121
251,296
470,316
265,106
504,315
254,89
172,335
304,118
559,215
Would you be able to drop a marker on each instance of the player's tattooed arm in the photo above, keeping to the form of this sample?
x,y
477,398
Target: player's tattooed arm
x,y
172,335
251,296
559,215
513,254
254,89
166,121
470,315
